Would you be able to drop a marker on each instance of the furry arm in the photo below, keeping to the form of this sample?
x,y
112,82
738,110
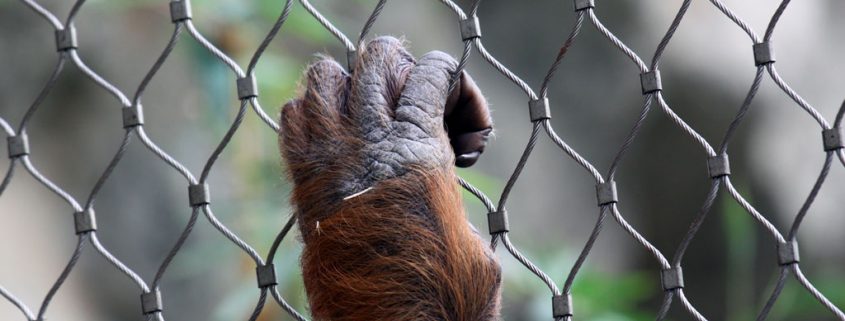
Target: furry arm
x,y
372,157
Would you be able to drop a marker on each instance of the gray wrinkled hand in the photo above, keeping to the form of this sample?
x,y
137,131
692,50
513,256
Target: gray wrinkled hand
x,y
389,116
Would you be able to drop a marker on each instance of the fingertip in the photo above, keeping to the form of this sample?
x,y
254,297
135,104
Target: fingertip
x,y
325,72
467,160
468,147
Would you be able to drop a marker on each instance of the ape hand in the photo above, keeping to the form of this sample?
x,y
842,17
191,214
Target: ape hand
x,y
346,133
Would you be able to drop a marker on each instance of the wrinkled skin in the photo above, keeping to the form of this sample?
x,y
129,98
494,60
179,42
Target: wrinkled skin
x,y
372,159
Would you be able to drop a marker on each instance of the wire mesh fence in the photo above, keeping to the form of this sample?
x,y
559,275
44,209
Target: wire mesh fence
x,y
586,12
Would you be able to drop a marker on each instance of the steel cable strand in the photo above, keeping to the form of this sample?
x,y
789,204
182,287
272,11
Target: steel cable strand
x,y
572,153
206,208
809,109
664,264
259,306
688,306
42,179
502,69
585,251
599,224
49,184
17,303
177,246
124,144
453,82
271,255
456,76
21,131
773,297
204,176
796,97
618,43
737,20
42,94
776,290
770,67
139,130
532,141
73,12
99,80
256,107
44,13
716,183
629,139
186,232
74,258
7,178
699,219
643,68
96,78
172,162
227,138
328,25
752,211
274,30
503,197
488,204
192,30
837,123
117,263
816,187
231,236
6,127
250,71
371,21
462,63
743,111
695,225
841,154
473,11
667,300
603,211
684,126
564,49
285,306
528,264
775,19
673,27
127,135
814,192
815,292
665,304
101,181
485,200
279,238
162,58
455,8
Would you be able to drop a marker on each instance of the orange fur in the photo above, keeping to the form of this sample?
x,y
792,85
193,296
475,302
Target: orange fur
x,y
402,251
